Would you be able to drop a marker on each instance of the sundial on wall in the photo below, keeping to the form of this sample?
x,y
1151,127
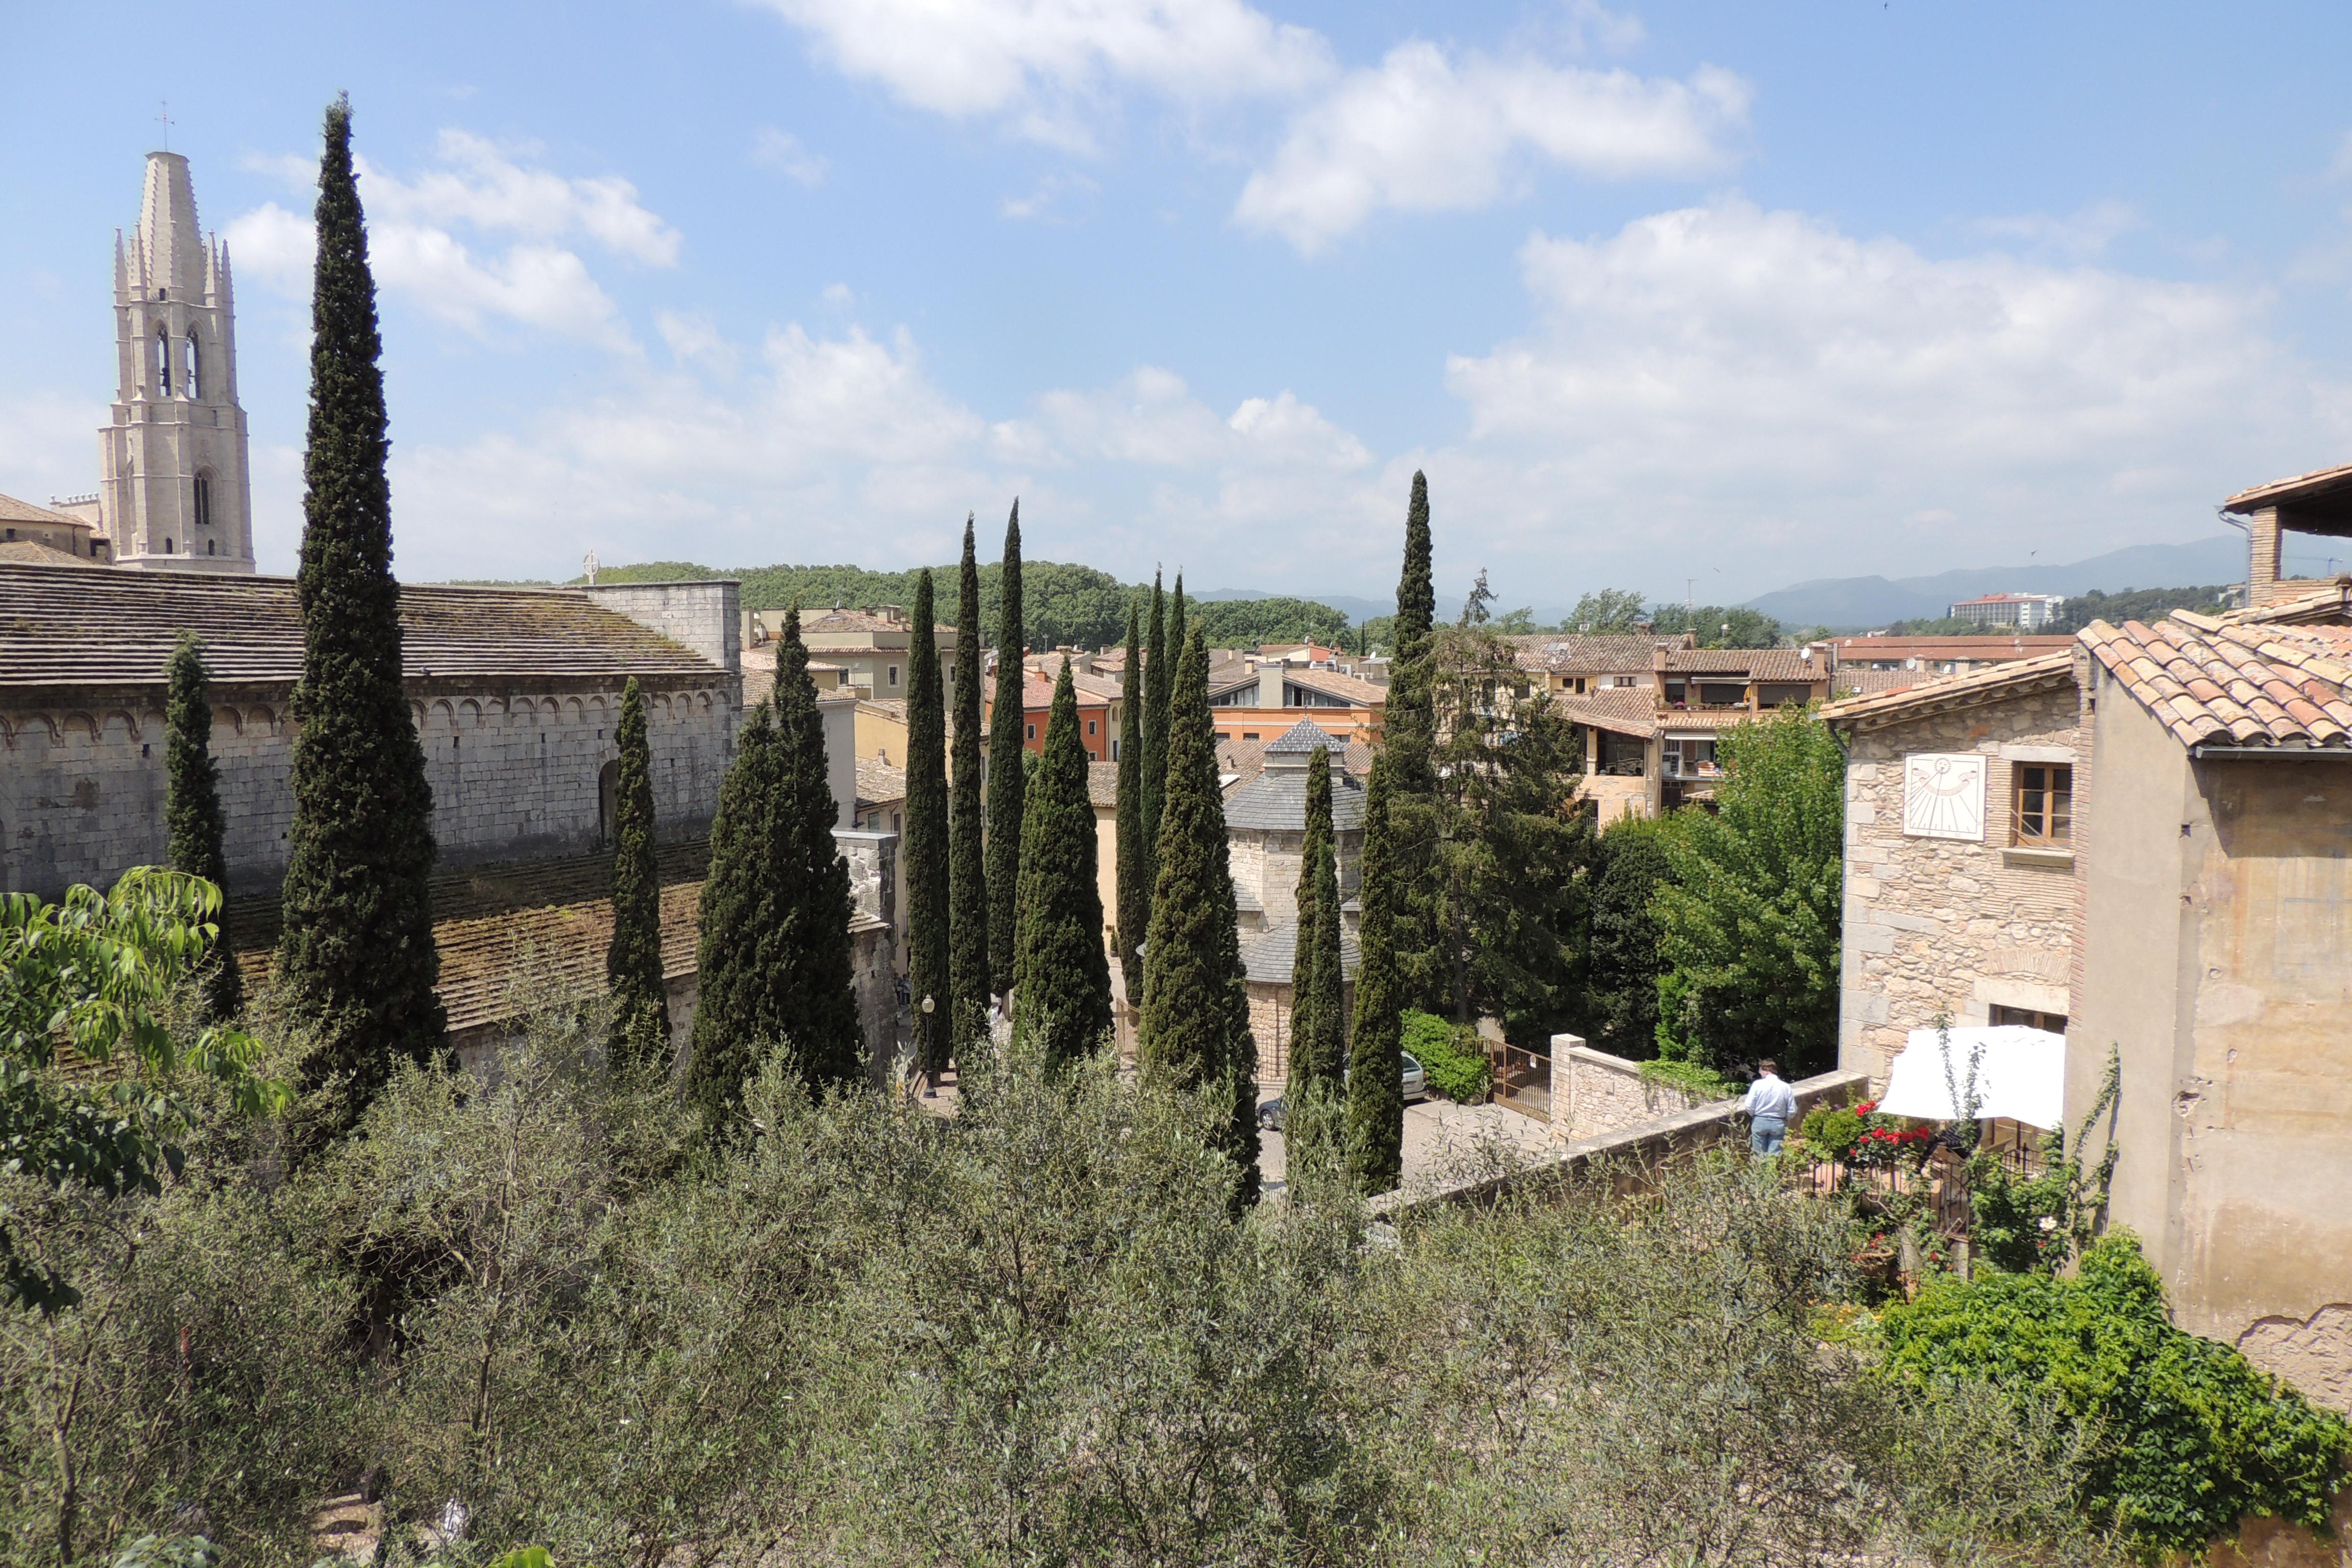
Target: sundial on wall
x,y
1944,795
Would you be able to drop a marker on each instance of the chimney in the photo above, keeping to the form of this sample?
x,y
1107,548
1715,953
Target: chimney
x,y
2263,543
1269,683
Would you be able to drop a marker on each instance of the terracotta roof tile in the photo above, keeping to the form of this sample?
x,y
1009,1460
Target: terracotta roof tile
x,y
1990,684
2223,680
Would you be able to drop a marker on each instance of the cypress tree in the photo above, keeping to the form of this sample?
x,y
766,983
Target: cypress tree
x,y
192,809
356,964
812,973
928,913
774,953
1194,1033
1006,772
1408,720
633,963
1375,1073
737,916
1157,680
968,927
1317,1029
1060,976
1133,881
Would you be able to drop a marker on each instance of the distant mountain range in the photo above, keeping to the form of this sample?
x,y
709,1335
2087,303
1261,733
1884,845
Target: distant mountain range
x,y
1864,602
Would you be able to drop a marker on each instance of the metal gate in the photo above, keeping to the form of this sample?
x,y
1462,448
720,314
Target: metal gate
x,y
1522,1078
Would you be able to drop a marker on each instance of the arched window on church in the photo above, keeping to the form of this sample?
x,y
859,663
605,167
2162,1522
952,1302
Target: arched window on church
x,y
163,361
194,384
167,547
205,499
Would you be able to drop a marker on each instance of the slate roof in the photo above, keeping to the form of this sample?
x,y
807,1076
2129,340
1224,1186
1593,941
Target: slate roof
x,y
1271,957
1276,801
1944,693
105,627
1301,739
2254,686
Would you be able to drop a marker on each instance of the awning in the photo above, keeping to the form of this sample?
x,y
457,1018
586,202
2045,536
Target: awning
x,y
2021,1074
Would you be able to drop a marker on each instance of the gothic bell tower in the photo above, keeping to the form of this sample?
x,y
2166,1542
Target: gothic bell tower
x,y
175,490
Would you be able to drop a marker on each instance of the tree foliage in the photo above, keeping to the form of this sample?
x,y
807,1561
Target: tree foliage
x,y
1194,1033
1156,684
633,961
1375,1073
1245,623
2182,1436
928,914
1061,975
1749,920
1317,1025
1622,961
1717,625
774,963
1132,874
95,976
192,806
1007,771
356,957
968,931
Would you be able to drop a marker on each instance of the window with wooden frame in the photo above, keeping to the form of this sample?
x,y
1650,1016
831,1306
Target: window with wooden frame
x,y
2055,1023
2042,810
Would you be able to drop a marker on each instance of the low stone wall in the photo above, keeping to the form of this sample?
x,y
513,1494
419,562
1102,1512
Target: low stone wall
x,y
1594,1093
1631,1151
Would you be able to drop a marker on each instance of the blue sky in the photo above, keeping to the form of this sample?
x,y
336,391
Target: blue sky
x,y
1747,294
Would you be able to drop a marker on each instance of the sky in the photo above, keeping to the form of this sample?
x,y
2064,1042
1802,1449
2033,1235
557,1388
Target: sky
x,y
1688,298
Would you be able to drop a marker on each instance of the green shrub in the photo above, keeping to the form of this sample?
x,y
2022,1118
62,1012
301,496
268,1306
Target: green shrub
x,y
1703,1082
2186,1436
1451,1056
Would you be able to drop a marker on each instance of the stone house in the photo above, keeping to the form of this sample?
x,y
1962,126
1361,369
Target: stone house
x,y
871,646
1962,896
2143,843
1577,665
62,534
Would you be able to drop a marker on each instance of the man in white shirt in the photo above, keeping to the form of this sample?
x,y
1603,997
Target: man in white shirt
x,y
1770,1106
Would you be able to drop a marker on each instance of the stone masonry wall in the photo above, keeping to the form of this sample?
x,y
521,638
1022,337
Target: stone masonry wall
x,y
515,774
1594,1093
698,616
1942,925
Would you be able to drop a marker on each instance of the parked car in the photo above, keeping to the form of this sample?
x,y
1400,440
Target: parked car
x,y
1275,1111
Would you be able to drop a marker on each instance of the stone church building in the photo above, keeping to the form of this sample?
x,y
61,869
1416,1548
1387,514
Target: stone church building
x,y
515,692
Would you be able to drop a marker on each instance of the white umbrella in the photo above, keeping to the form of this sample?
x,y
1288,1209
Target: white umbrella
x,y
2021,1074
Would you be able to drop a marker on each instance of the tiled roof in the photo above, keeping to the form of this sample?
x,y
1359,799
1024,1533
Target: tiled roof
x,y
33,552
2250,685
1575,655
879,784
1271,957
836,623
1871,682
1276,801
103,626
1620,709
1967,647
1947,692
1757,664
1331,683
2319,481
14,511
2327,600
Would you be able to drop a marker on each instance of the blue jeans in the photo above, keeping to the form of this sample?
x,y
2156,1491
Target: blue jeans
x,y
1764,1135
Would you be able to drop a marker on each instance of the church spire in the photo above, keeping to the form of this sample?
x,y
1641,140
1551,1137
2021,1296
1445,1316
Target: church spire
x,y
173,491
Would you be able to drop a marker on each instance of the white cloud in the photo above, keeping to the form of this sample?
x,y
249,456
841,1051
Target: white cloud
x,y
2085,232
519,275
480,184
1428,131
782,150
1051,199
1033,59
1758,391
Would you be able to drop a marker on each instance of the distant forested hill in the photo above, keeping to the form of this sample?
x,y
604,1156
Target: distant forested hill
x,y
1062,603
